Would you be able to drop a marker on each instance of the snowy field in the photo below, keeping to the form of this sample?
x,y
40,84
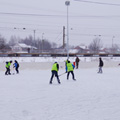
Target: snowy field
x,y
28,95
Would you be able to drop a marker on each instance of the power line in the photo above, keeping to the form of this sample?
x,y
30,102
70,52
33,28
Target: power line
x,y
58,36
101,3
23,14
50,15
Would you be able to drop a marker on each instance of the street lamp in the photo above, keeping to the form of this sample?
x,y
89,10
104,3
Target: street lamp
x,y
19,28
113,44
34,31
42,41
67,3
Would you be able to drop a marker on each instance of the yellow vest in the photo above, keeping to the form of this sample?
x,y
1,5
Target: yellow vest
x,y
8,65
69,67
54,67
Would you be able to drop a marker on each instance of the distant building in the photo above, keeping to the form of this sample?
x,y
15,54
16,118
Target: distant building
x,y
79,49
22,48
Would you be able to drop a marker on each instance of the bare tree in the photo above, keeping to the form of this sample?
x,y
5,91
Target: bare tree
x,y
3,45
28,40
13,40
95,45
2,42
114,49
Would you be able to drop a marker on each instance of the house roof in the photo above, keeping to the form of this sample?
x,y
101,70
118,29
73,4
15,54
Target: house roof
x,y
24,45
73,50
80,47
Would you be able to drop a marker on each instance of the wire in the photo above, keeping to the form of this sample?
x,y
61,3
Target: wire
x,y
50,15
22,14
58,36
101,3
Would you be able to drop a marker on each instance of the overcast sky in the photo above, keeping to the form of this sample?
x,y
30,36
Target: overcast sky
x,y
86,20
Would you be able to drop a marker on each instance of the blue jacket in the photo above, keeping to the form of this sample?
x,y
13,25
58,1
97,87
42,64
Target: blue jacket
x,y
15,65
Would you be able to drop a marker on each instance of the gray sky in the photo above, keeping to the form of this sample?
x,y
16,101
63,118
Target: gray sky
x,y
86,20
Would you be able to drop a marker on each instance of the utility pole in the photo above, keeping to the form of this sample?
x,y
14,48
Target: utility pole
x,y
113,44
63,37
67,3
34,36
42,42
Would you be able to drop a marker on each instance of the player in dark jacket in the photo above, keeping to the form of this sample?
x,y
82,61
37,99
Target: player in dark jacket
x,y
54,71
77,62
16,66
100,65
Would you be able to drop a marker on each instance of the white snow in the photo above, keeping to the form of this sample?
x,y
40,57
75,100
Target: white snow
x,y
28,95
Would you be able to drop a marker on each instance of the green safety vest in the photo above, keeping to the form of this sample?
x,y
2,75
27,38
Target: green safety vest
x,y
8,65
69,67
66,61
54,67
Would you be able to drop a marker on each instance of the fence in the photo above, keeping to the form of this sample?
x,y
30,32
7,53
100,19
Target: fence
x,y
55,55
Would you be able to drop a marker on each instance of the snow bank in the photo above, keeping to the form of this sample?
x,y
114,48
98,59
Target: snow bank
x,y
46,62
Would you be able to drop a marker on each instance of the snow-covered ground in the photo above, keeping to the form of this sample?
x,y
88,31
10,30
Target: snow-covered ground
x,y
28,95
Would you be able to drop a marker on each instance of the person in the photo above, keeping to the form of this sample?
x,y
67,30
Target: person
x,y
100,65
70,68
77,62
74,63
8,68
66,65
54,71
16,66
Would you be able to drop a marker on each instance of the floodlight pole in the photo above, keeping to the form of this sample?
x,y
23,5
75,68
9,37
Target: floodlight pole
x,y
112,44
67,3
42,42
34,36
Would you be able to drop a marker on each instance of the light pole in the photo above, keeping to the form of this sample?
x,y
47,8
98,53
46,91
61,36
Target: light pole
x,y
113,44
42,41
67,3
34,36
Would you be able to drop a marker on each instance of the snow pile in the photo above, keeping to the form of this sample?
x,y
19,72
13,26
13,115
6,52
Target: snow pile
x,y
53,59
40,63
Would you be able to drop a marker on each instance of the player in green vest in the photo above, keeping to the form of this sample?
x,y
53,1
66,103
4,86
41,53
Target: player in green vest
x,y
54,71
70,68
8,68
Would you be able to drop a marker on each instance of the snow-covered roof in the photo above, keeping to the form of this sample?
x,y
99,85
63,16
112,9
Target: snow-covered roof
x,y
73,51
24,45
81,46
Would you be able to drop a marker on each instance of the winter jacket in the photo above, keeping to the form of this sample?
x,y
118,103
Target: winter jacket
x,y
101,63
77,60
16,65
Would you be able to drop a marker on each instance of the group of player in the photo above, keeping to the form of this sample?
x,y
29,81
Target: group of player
x,y
69,69
15,66
55,68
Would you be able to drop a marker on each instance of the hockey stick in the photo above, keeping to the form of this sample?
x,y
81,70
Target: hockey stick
x,y
62,74
13,70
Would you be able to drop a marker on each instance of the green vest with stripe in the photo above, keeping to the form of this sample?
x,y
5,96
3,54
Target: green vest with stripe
x,y
54,67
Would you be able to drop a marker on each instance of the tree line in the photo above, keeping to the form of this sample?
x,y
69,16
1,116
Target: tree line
x,y
44,44
37,43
